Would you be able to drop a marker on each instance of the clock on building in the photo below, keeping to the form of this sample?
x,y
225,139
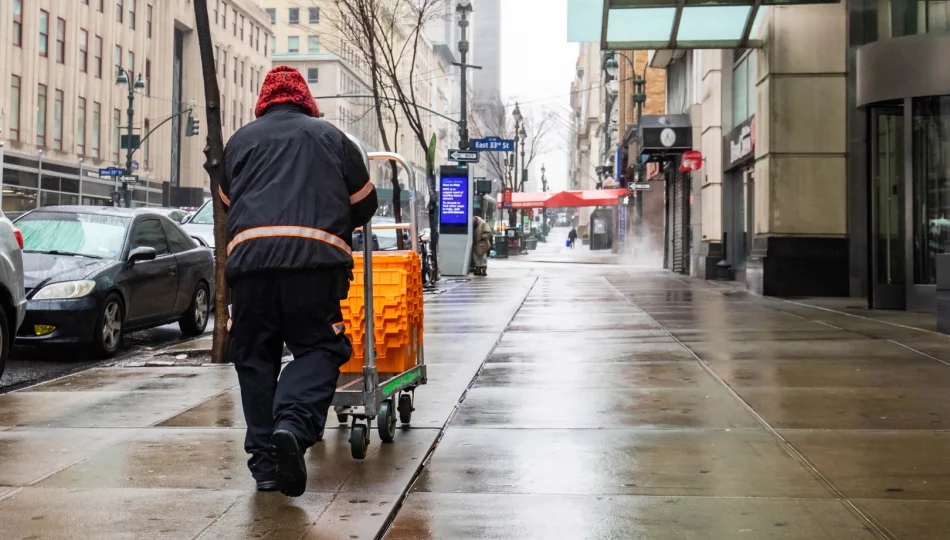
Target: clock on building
x,y
667,137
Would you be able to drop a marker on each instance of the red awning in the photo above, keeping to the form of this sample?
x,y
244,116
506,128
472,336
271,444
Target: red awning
x,y
568,199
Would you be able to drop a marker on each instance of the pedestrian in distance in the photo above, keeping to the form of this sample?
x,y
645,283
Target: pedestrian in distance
x,y
572,237
482,237
295,187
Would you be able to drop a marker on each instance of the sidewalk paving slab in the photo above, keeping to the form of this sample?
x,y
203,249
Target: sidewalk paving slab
x,y
431,516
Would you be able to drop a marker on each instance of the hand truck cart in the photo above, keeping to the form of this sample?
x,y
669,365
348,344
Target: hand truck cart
x,y
361,397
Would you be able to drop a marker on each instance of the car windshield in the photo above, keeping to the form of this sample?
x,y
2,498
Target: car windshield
x,y
72,233
205,215
385,237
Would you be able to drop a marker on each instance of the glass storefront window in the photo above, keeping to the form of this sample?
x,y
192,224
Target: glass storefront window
x,y
17,200
931,164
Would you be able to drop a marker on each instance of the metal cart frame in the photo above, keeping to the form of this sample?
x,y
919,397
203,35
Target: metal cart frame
x,y
362,397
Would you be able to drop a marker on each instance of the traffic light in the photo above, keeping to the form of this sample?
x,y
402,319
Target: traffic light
x,y
192,127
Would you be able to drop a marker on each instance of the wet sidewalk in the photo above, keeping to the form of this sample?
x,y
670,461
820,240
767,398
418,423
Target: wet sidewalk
x,y
564,401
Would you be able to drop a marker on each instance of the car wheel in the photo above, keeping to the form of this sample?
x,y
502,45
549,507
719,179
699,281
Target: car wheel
x,y
5,340
107,335
196,318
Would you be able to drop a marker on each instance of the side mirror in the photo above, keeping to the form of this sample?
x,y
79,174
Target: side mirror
x,y
143,253
185,218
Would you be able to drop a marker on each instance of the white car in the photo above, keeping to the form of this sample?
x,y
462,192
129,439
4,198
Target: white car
x,y
12,293
200,225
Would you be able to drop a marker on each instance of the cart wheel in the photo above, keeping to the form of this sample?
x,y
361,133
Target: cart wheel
x,y
359,441
386,421
405,408
342,418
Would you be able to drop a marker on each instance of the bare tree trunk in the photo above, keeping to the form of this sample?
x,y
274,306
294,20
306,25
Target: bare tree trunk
x,y
214,153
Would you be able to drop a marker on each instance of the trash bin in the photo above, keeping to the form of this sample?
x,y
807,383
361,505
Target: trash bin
x,y
531,243
501,246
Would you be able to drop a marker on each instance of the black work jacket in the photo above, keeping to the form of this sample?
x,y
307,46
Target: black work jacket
x,y
295,187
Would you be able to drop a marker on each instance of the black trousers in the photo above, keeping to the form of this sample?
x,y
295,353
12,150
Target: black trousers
x,y
302,309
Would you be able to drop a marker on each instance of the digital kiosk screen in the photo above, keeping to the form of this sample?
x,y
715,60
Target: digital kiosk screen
x,y
453,207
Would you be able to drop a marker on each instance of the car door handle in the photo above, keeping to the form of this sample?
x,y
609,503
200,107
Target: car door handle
x,y
173,270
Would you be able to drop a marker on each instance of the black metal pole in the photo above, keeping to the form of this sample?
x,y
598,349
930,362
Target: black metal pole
x,y
126,193
463,52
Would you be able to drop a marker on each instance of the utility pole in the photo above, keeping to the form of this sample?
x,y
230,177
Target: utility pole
x,y
463,8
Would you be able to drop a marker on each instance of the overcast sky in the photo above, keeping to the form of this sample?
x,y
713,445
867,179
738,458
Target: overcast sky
x,y
537,68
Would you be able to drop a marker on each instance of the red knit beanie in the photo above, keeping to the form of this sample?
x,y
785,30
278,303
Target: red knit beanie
x,y
285,84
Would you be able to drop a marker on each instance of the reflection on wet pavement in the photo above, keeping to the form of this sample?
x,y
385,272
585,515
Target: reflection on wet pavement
x,y
585,401
676,409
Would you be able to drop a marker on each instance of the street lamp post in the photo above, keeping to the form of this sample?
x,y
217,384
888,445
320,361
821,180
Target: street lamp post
x,y
516,114
39,179
125,77
524,163
81,174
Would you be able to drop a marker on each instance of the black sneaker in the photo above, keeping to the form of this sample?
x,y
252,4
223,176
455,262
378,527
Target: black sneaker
x,y
291,469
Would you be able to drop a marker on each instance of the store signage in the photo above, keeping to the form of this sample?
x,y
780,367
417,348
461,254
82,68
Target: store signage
x,y
742,141
506,199
692,161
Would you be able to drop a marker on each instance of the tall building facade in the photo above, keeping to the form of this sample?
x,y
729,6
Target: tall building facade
x,y
62,113
486,46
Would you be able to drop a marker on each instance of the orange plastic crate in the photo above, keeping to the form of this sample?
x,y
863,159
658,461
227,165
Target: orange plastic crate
x,y
397,317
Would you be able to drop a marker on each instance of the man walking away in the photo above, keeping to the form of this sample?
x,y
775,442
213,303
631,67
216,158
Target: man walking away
x,y
572,236
295,188
481,245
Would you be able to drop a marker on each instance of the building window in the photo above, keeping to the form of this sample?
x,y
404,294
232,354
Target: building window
x,y
313,44
15,108
293,44
293,16
234,71
61,41
242,73
145,145
99,6
234,20
273,15
131,66
148,77
41,115
224,64
743,89
116,119
273,44
81,127
242,27
313,75
83,50
132,14
314,15
117,59
18,23
216,2
44,32
57,119
224,16
118,11
148,20
233,115
97,55
96,119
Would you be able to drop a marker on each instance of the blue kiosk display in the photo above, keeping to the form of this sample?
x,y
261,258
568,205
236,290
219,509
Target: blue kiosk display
x,y
455,220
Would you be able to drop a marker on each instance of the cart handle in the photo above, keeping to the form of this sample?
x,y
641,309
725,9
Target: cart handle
x,y
390,226
392,156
